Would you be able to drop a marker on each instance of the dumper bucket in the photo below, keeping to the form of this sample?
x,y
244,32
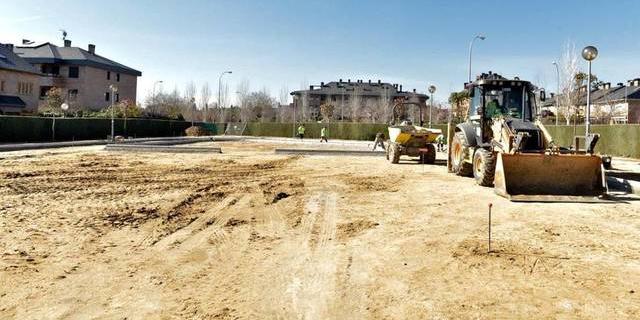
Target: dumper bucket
x,y
542,177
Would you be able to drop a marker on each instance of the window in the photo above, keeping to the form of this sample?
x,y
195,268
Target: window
x,y
50,69
2,86
118,77
25,88
117,97
108,75
73,93
44,90
74,72
106,96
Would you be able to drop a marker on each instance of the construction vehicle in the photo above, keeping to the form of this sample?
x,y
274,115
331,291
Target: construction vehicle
x,y
502,144
408,139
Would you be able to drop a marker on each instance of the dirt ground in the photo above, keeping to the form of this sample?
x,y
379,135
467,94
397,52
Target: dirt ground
x,y
248,234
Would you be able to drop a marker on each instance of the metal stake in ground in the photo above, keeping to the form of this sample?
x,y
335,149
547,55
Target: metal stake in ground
x,y
490,205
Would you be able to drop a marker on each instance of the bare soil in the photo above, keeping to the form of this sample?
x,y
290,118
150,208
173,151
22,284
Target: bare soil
x,y
248,234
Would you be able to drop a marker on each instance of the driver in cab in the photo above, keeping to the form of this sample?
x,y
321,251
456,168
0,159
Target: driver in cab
x,y
495,109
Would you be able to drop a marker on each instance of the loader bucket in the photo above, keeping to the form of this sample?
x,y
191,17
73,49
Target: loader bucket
x,y
542,177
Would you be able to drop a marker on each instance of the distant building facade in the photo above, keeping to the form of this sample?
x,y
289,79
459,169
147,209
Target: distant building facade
x,y
349,98
18,83
616,105
83,76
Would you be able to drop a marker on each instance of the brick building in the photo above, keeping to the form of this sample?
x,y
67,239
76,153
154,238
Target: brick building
x,y
18,83
83,75
349,97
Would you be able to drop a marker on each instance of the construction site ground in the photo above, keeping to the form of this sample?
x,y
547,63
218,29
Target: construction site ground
x,y
248,234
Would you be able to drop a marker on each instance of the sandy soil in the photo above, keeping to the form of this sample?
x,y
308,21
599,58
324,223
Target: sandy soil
x,y
252,235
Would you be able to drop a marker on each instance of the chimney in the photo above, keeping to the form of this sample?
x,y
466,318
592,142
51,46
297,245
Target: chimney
x,y
340,80
92,48
9,46
400,88
414,90
311,87
349,80
379,82
369,81
67,43
606,86
321,84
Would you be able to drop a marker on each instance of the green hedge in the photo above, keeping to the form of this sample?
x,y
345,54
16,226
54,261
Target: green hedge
x,y
338,130
617,140
38,129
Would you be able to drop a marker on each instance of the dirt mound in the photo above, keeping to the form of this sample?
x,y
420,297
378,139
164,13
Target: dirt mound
x,y
196,131
372,183
352,229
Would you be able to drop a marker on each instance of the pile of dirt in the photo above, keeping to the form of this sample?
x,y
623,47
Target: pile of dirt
x,y
196,131
372,183
351,229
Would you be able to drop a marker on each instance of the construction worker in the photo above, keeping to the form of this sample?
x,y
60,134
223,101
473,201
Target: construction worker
x,y
440,142
323,135
379,141
301,130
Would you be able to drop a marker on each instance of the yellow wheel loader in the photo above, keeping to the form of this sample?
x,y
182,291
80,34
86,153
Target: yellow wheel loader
x,y
408,139
502,144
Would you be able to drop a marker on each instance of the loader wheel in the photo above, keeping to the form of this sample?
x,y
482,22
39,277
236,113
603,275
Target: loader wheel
x,y
430,156
459,150
394,153
484,167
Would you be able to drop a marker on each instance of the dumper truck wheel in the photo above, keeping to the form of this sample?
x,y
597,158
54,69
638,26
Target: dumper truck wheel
x,y
394,153
484,167
429,157
459,150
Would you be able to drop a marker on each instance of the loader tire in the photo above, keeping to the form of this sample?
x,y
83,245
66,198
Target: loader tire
x,y
459,150
429,157
484,167
394,153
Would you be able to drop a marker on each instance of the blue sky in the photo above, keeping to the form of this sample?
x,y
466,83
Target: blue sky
x,y
294,43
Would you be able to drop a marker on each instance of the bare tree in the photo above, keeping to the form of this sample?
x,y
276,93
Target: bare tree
x,y
189,100
568,84
205,95
242,93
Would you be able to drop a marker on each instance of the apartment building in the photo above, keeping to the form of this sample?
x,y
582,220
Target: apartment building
x,y
83,75
19,82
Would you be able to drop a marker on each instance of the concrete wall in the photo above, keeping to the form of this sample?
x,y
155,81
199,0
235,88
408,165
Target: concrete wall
x,y
92,84
11,80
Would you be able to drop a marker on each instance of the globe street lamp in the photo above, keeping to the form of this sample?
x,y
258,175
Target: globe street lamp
x,y
481,37
114,89
589,53
557,92
220,88
432,90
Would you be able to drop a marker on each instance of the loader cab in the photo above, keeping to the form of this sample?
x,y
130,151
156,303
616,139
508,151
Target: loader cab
x,y
501,98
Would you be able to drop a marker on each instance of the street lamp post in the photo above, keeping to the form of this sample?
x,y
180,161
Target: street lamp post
x,y
154,88
114,89
589,53
432,90
220,88
557,92
481,37
193,110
